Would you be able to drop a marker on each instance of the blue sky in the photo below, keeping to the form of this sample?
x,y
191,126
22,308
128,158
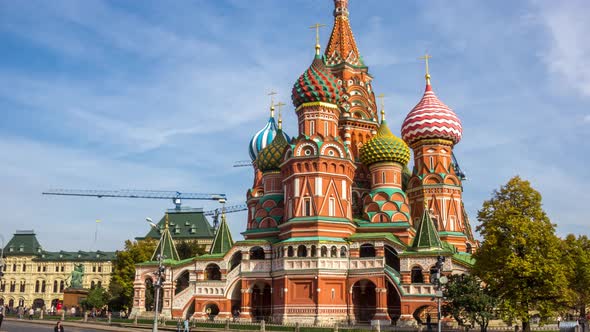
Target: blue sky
x,y
166,95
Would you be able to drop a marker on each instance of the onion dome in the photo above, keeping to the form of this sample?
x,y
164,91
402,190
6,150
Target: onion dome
x,y
271,157
316,84
431,119
385,146
264,136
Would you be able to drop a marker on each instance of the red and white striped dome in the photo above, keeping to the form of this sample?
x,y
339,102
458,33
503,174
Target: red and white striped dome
x,y
431,119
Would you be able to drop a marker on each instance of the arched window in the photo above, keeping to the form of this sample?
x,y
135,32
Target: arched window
x,y
468,248
417,276
182,282
367,250
343,251
92,284
61,286
256,253
212,272
324,251
302,251
333,251
313,251
290,251
391,258
55,286
235,260
37,286
99,284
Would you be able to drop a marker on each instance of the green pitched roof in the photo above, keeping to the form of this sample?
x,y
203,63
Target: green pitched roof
x,y
184,224
426,236
23,243
223,241
166,246
79,256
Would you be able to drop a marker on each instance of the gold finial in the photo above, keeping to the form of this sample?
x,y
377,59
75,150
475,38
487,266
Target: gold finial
x,y
425,57
272,103
280,106
166,221
317,27
381,97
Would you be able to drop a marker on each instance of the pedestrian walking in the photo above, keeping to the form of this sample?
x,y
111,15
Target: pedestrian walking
x,y
186,328
31,313
1,314
58,327
558,321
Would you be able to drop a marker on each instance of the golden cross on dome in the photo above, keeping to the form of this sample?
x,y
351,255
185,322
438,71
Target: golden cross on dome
x,y
272,103
166,222
317,27
280,106
425,57
381,97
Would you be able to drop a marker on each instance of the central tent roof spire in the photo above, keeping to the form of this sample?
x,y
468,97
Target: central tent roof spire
x,y
342,46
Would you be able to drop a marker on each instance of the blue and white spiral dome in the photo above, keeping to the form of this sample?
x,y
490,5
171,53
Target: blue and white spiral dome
x,y
263,138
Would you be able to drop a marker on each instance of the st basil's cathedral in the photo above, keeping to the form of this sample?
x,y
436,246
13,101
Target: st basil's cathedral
x,y
340,228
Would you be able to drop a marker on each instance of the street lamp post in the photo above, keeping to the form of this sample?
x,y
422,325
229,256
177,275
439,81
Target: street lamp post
x,y
159,274
439,282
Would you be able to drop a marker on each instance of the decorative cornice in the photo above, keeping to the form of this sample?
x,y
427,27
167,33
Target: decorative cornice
x,y
316,103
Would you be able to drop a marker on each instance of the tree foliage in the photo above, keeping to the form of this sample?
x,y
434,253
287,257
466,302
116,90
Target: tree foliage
x,y
519,256
187,249
97,298
468,301
576,258
123,274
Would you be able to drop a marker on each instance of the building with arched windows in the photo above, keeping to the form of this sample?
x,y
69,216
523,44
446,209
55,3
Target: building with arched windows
x,y
341,228
34,277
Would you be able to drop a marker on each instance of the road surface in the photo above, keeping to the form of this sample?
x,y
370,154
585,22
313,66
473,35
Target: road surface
x,y
18,326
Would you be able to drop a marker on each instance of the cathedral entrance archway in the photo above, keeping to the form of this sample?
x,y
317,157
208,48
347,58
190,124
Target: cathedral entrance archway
x,y
211,310
422,313
236,299
11,303
150,295
364,300
261,301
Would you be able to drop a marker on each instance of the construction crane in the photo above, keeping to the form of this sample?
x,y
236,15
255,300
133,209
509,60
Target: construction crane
x,y
458,170
227,209
175,196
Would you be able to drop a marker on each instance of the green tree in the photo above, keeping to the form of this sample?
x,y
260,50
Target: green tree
x,y
519,256
576,257
187,249
97,298
468,301
123,274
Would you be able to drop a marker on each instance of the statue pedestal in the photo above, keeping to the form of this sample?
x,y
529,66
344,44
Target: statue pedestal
x,y
74,296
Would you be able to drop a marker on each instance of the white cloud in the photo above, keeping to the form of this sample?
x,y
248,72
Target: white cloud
x,y
567,25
